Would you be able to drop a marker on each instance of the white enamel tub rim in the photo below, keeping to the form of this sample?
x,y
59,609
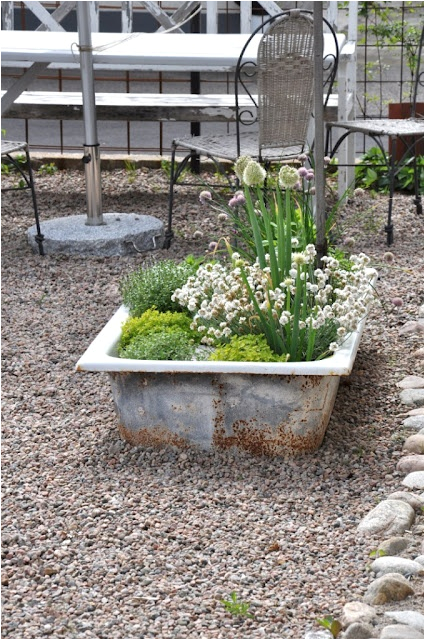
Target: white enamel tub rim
x,y
100,356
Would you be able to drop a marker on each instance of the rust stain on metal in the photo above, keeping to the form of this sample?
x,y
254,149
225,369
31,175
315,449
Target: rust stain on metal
x,y
152,437
269,441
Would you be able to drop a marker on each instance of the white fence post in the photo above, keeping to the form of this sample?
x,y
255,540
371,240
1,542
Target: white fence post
x,y
212,17
7,16
127,17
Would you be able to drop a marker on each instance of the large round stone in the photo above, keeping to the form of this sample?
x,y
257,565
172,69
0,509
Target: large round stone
x,y
389,517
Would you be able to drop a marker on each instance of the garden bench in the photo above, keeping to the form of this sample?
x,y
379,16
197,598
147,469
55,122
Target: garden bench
x,y
180,107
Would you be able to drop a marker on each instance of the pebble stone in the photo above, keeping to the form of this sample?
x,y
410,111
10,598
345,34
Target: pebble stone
x,y
414,444
390,517
415,501
411,382
400,631
419,411
357,611
412,397
318,634
359,630
391,587
414,422
393,546
407,464
414,480
413,619
394,564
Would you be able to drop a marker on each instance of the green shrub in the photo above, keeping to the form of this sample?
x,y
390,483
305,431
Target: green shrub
x,y
153,286
247,348
372,172
158,336
165,345
153,321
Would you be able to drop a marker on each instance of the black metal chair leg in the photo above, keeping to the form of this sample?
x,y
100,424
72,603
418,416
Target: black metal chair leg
x,y
38,236
417,199
173,178
389,225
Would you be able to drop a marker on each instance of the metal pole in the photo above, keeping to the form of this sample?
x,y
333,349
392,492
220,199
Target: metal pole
x,y
195,87
319,151
91,158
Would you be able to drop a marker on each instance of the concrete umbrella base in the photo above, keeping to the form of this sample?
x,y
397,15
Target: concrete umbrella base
x,y
121,234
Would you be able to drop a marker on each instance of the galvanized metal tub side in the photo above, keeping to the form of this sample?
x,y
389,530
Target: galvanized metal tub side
x,y
262,414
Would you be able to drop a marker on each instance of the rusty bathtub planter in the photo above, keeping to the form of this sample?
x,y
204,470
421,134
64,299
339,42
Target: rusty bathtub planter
x,y
265,408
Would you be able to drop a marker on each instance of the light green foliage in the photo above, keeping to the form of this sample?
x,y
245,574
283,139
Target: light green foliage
x,y
8,168
377,553
153,286
158,336
167,345
236,607
131,169
329,622
166,167
248,348
372,172
154,321
48,169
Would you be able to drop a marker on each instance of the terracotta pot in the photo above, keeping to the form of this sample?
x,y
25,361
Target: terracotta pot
x,y
402,110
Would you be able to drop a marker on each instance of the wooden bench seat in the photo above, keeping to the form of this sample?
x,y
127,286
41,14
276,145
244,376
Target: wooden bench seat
x,y
160,107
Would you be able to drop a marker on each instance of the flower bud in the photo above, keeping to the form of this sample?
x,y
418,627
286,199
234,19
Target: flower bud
x,y
240,166
254,174
288,177
204,196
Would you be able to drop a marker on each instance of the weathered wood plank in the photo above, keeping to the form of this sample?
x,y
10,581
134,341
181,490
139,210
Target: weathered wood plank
x,y
170,22
126,106
21,84
159,107
126,17
58,15
43,15
7,16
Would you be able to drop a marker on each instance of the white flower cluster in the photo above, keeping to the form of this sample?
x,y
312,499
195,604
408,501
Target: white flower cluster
x,y
226,302
353,294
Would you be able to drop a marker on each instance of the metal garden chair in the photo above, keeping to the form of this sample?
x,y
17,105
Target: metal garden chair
x,y
25,170
275,124
408,130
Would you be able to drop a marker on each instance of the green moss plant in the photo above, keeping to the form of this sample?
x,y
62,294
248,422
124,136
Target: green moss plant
x,y
164,345
247,348
158,336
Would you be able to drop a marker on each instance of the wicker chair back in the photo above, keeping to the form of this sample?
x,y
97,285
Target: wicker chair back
x,y
286,82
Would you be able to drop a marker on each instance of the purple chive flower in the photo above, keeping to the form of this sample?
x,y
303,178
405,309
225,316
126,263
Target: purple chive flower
x,y
397,302
204,196
240,198
212,246
233,202
310,175
302,172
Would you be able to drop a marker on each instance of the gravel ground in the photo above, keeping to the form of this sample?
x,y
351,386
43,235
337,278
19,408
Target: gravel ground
x,y
101,540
